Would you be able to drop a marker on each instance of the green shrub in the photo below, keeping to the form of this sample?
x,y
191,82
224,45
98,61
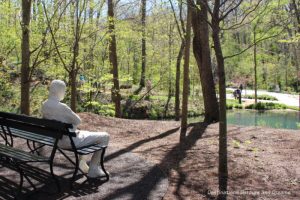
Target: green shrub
x,y
261,97
231,104
134,97
266,106
238,106
101,109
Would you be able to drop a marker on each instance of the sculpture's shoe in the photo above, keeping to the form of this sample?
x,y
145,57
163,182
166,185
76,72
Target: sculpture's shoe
x,y
96,172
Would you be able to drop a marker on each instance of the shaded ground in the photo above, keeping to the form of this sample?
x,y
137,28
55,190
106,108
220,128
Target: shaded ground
x,y
127,181
131,178
263,162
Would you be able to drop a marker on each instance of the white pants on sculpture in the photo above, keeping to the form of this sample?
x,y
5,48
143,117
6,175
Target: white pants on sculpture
x,y
85,138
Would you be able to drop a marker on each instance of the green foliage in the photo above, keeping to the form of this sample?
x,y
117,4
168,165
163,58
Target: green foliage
x,y
276,61
231,104
266,106
101,109
298,125
261,97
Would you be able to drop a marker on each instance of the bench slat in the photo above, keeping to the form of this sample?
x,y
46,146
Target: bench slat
x,y
32,136
90,149
29,127
20,155
34,120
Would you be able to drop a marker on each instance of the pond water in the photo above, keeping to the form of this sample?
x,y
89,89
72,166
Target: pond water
x,y
272,119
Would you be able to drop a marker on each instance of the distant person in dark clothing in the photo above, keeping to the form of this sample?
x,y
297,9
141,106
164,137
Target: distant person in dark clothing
x,y
241,88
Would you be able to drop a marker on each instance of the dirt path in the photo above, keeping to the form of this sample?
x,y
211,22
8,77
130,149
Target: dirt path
x,y
263,163
288,99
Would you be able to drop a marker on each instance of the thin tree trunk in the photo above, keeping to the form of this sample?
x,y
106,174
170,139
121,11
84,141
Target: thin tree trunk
x,y
201,50
255,66
113,59
25,67
223,170
143,20
170,90
185,91
73,70
177,84
72,80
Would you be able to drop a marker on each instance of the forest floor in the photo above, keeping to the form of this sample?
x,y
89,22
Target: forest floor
x,y
263,163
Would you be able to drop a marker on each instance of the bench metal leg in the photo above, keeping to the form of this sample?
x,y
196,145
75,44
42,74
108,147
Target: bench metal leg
x,y
55,178
75,171
102,163
19,192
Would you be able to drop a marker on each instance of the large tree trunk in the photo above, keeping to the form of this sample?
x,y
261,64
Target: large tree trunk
x,y
143,20
201,50
185,91
223,171
177,84
113,59
25,67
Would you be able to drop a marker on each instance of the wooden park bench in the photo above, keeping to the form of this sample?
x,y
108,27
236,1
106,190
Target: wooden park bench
x,y
39,133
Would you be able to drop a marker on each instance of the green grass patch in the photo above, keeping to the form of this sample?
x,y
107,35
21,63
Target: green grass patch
x,y
232,103
293,108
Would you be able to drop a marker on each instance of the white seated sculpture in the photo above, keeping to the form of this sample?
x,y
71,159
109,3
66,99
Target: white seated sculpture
x,y
55,110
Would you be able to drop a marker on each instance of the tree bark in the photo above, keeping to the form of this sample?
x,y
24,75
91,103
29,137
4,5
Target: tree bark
x,y
223,165
143,20
185,91
74,68
25,66
72,80
255,65
177,84
113,59
202,55
223,171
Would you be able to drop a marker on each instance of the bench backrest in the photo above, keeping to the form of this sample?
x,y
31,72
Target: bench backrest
x,y
50,128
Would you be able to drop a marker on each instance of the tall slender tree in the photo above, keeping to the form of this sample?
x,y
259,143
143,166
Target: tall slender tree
x,y
25,67
223,170
143,23
181,31
113,59
185,91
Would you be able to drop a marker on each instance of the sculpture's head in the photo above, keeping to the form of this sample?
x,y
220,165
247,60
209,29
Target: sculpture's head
x,y
57,89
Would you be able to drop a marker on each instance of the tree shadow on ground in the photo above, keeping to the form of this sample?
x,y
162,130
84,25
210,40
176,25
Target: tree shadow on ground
x,y
140,143
176,154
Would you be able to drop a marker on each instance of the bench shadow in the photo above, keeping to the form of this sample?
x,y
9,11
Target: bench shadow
x,y
8,188
45,186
